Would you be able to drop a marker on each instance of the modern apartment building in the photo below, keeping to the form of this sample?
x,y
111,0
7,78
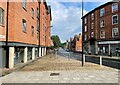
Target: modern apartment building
x,y
101,30
24,31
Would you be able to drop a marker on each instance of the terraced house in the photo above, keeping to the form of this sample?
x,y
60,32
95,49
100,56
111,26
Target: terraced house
x,y
24,31
101,30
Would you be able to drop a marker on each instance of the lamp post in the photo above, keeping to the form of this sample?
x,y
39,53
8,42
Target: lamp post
x,y
82,34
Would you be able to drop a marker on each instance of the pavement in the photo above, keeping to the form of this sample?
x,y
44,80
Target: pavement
x,y
58,69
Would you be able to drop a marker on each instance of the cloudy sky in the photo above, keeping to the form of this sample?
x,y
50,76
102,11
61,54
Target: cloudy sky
x,y
66,17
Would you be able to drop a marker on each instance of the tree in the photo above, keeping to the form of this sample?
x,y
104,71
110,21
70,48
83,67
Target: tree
x,y
56,41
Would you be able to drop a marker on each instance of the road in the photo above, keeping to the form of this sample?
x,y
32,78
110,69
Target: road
x,y
77,56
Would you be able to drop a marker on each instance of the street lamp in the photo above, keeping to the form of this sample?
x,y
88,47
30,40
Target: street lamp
x,y
82,33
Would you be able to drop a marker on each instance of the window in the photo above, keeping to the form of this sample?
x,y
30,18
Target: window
x,y
38,25
32,13
85,20
115,19
37,35
24,4
92,34
24,25
1,16
92,16
102,23
114,7
32,29
85,37
85,28
92,26
102,34
115,32
37,12
102,12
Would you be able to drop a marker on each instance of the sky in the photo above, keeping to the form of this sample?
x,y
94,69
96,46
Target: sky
x,y
66,17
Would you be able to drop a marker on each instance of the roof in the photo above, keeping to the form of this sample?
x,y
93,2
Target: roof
x,y
113,1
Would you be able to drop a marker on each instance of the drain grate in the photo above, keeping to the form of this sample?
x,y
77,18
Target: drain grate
x,y
54,74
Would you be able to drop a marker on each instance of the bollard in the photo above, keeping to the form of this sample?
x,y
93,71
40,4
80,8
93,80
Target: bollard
x,y
83,59
100,60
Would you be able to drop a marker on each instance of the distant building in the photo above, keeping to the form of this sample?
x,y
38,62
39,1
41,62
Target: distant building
x,y
101,30
75,43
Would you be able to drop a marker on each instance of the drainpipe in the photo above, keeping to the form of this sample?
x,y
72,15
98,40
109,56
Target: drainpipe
x,y
6,43
39,29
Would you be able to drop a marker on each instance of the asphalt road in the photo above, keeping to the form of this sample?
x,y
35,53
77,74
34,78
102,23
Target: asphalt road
x,y
77,56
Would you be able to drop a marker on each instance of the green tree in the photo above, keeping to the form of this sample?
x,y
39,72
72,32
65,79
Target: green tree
x,y
56,41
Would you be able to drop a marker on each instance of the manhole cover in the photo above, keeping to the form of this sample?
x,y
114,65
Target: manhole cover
x,y
54,74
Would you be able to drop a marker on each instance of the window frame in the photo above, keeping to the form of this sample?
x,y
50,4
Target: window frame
x,y
24,25
2,16
112,19
85,20
117,31
24,4
85,28
92,25
114,5
101,10
32,14
92,34
101,33
32,29
102,25
92,16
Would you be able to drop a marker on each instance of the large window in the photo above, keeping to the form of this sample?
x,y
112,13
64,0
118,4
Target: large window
x,y
24,25
32,13
115,19
24,4
115,32
1,16
114,7
102,34
102,23
102,12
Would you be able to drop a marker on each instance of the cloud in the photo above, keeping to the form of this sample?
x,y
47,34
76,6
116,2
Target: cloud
x,y
66,20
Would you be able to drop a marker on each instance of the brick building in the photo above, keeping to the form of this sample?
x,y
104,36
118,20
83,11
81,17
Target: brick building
x,y
101,30
75,43
24,31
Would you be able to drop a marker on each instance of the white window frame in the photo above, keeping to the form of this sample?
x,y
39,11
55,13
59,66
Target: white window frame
x,y
101,11
92,34
92,16
113,6
103,34
117,19
85,28
117,31
102,25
